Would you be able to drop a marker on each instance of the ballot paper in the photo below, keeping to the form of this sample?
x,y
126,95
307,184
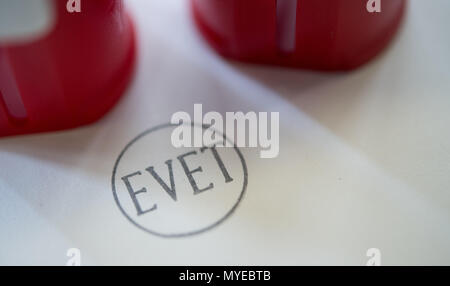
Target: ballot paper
x,y
363,168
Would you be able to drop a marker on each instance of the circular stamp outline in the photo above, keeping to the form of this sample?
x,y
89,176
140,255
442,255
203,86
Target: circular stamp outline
x,y
185,234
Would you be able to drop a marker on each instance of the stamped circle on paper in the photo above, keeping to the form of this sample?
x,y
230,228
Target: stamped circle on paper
x,y
177,192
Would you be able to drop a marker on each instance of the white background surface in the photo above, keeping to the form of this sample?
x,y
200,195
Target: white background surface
x,y
364,157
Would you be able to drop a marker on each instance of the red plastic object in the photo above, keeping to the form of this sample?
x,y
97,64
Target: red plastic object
x,y
72,75
313,34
